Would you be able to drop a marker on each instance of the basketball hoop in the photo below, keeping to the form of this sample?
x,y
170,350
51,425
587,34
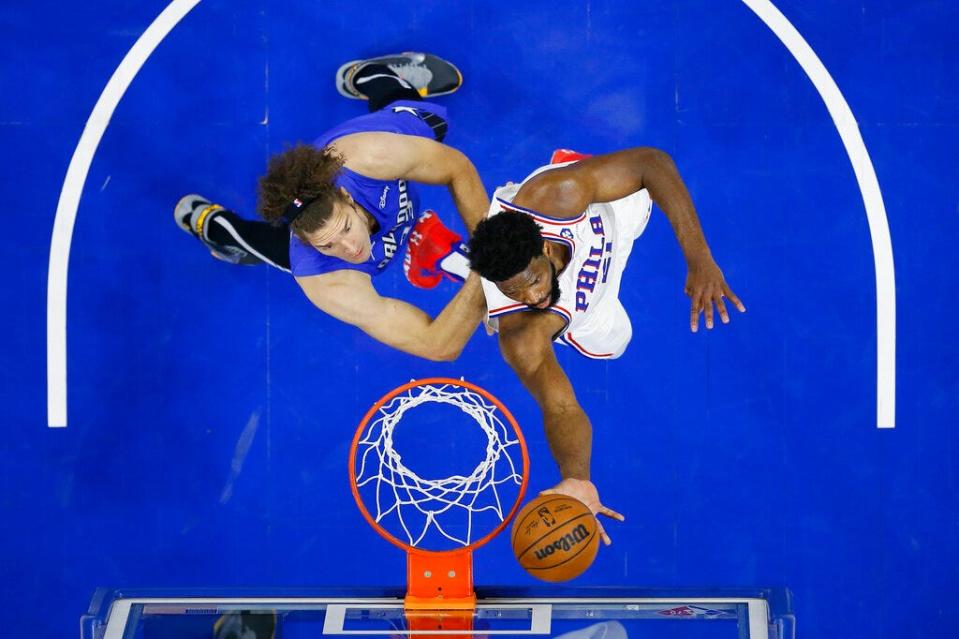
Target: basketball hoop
x,y
438,520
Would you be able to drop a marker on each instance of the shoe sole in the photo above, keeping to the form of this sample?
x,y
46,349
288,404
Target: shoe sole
x,y
344,68
182,209
341,81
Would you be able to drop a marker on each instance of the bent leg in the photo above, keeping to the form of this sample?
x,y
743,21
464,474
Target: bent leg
x,y
231,238
270,244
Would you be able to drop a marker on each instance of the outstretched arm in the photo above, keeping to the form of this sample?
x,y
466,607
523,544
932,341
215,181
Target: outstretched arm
x,y
567,191
526,344
349,296
392,156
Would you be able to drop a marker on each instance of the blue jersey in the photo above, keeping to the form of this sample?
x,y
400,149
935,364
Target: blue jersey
x,y
392,203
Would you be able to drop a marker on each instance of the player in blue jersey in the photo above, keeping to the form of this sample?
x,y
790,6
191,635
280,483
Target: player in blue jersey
x,y
341,210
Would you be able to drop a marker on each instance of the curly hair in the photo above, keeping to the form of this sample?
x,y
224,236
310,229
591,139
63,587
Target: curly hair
x,y
303,172
504,245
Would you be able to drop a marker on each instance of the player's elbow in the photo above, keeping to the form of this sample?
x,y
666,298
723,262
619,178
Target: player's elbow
x,y
443,355
459,167
651,156
441,352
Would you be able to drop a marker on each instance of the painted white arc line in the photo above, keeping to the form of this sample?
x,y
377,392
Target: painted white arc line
x,y
70,201
845,122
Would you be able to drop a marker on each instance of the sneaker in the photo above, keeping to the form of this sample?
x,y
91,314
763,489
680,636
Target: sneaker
x,y
566,155
245,624
429,74
193,213
430,241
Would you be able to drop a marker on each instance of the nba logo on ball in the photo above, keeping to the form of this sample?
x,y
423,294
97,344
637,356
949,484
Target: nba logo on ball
x,y
546,515
555,537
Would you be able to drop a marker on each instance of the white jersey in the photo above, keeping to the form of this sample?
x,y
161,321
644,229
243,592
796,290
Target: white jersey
x,y
599,240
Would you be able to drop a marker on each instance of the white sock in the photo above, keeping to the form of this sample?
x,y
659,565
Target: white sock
x,y
456,264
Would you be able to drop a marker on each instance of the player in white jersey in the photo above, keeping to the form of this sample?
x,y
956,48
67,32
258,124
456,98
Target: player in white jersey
x,y
552,251
599,241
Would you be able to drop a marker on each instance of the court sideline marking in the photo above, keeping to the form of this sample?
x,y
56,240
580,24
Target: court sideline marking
x,y
141,50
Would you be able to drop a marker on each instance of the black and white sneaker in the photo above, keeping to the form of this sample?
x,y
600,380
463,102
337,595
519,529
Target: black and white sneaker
x,y
430,75
193,214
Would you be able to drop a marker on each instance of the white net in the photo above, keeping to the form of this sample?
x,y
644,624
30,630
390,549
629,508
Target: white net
x,y
417,506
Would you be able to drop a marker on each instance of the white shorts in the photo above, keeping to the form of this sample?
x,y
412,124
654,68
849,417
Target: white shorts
x,y
607,331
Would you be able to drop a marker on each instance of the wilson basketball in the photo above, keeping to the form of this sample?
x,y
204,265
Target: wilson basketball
x,y
555,537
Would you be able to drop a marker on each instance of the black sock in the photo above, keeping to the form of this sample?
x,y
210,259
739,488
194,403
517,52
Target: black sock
x,y
382,91
261,239
381,85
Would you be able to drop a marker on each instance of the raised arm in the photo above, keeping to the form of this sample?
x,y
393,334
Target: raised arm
x,y
389,156
349,296
526,344
567,191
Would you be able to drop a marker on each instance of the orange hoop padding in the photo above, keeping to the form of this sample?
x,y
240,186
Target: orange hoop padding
x,y
402,389
439,580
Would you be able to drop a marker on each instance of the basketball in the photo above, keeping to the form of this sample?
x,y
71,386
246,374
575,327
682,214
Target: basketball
x,y
555,537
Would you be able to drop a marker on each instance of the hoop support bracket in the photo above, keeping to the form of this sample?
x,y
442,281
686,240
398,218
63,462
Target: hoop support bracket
x,y
439,580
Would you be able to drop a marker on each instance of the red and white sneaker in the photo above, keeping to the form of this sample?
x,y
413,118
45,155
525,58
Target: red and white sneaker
x,y
567,155
430,241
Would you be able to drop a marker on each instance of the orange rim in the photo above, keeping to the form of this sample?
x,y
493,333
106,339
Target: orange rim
x,y
402,389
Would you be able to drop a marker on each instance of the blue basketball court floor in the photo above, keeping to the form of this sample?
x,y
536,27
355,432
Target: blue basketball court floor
x,y
176,422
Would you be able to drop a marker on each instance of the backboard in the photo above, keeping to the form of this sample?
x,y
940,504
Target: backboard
x,y
576,614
